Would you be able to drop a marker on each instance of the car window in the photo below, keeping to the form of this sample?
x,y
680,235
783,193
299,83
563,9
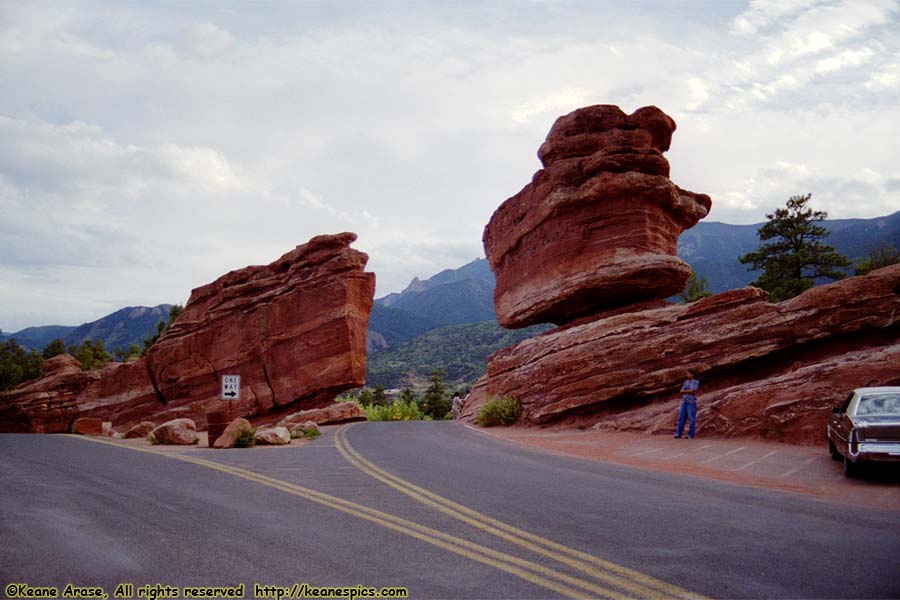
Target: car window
x,y
879,404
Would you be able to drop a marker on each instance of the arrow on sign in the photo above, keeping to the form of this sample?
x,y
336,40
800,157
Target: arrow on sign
x,y
230,394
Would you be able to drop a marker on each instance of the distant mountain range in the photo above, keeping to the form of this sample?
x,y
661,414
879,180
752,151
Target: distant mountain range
x,y
448,322
713,249
118,330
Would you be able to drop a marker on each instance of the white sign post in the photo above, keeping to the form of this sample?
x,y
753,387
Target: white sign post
x,y
231,387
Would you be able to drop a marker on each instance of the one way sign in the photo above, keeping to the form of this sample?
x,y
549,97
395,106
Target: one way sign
x,y
231,387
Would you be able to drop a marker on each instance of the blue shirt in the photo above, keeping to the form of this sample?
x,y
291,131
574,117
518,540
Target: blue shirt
x,y
689,389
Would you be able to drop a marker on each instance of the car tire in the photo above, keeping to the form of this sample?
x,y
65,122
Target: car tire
x,y
851,469
832,449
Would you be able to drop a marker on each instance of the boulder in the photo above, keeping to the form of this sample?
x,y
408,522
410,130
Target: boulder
x,y
181,432
235,430
294,330
87,426
598,227
307,428
337,412
139,431
273,436
766,369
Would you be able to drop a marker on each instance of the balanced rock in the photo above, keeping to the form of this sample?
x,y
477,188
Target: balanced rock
x,y
273,436
294,330
763,367
181,432
598,227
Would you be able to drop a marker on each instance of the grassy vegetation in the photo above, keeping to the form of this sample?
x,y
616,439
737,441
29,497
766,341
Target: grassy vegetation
x,y
305,433
396,411
499,411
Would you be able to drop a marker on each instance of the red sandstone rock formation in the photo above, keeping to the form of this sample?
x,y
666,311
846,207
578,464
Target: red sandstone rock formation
x,y
294,330
598,227
590,244
766,369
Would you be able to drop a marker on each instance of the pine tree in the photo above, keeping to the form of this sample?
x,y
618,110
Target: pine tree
x,y
17,365
435,403
54,348
881,256
697,288
379,398
795,257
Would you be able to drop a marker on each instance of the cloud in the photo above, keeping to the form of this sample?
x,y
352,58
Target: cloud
x,y
146,149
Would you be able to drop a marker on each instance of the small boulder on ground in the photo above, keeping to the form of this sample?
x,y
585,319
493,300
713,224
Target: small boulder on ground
x,y
235,430
305,429
139,431
180,432
88,426
273,436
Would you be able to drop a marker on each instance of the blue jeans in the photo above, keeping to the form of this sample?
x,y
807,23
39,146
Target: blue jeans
x,y
688,410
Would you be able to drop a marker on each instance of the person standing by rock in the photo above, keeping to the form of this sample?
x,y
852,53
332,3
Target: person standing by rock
x,y
688,405
457,406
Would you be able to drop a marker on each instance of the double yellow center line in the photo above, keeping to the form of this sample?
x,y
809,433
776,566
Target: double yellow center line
x,y
636,584
632,583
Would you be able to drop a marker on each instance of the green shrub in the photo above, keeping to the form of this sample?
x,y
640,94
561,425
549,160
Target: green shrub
x,y
396,411
247,439
305,433
499,411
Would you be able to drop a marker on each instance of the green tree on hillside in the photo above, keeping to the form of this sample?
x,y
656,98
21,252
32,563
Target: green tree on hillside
x,y
795,256
697,288
435,403
407,395
365,397
54,348
91,354
133,352
378,397
17,365
880,256
174,311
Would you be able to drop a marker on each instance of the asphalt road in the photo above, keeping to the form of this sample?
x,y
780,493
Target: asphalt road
x,y
430,506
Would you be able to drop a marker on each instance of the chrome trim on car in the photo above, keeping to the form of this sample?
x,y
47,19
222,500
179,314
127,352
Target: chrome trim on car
x,y
889,451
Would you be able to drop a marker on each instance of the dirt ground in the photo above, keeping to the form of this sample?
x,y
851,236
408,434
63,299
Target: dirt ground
x,y
798,469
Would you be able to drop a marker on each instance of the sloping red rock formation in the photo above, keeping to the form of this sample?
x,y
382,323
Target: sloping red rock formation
x,y
598,227
767,369
294,330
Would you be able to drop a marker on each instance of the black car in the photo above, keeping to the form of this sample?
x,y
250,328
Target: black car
x,y
866,428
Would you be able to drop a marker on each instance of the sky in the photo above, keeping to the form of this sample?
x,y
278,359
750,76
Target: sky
x,y
147,148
